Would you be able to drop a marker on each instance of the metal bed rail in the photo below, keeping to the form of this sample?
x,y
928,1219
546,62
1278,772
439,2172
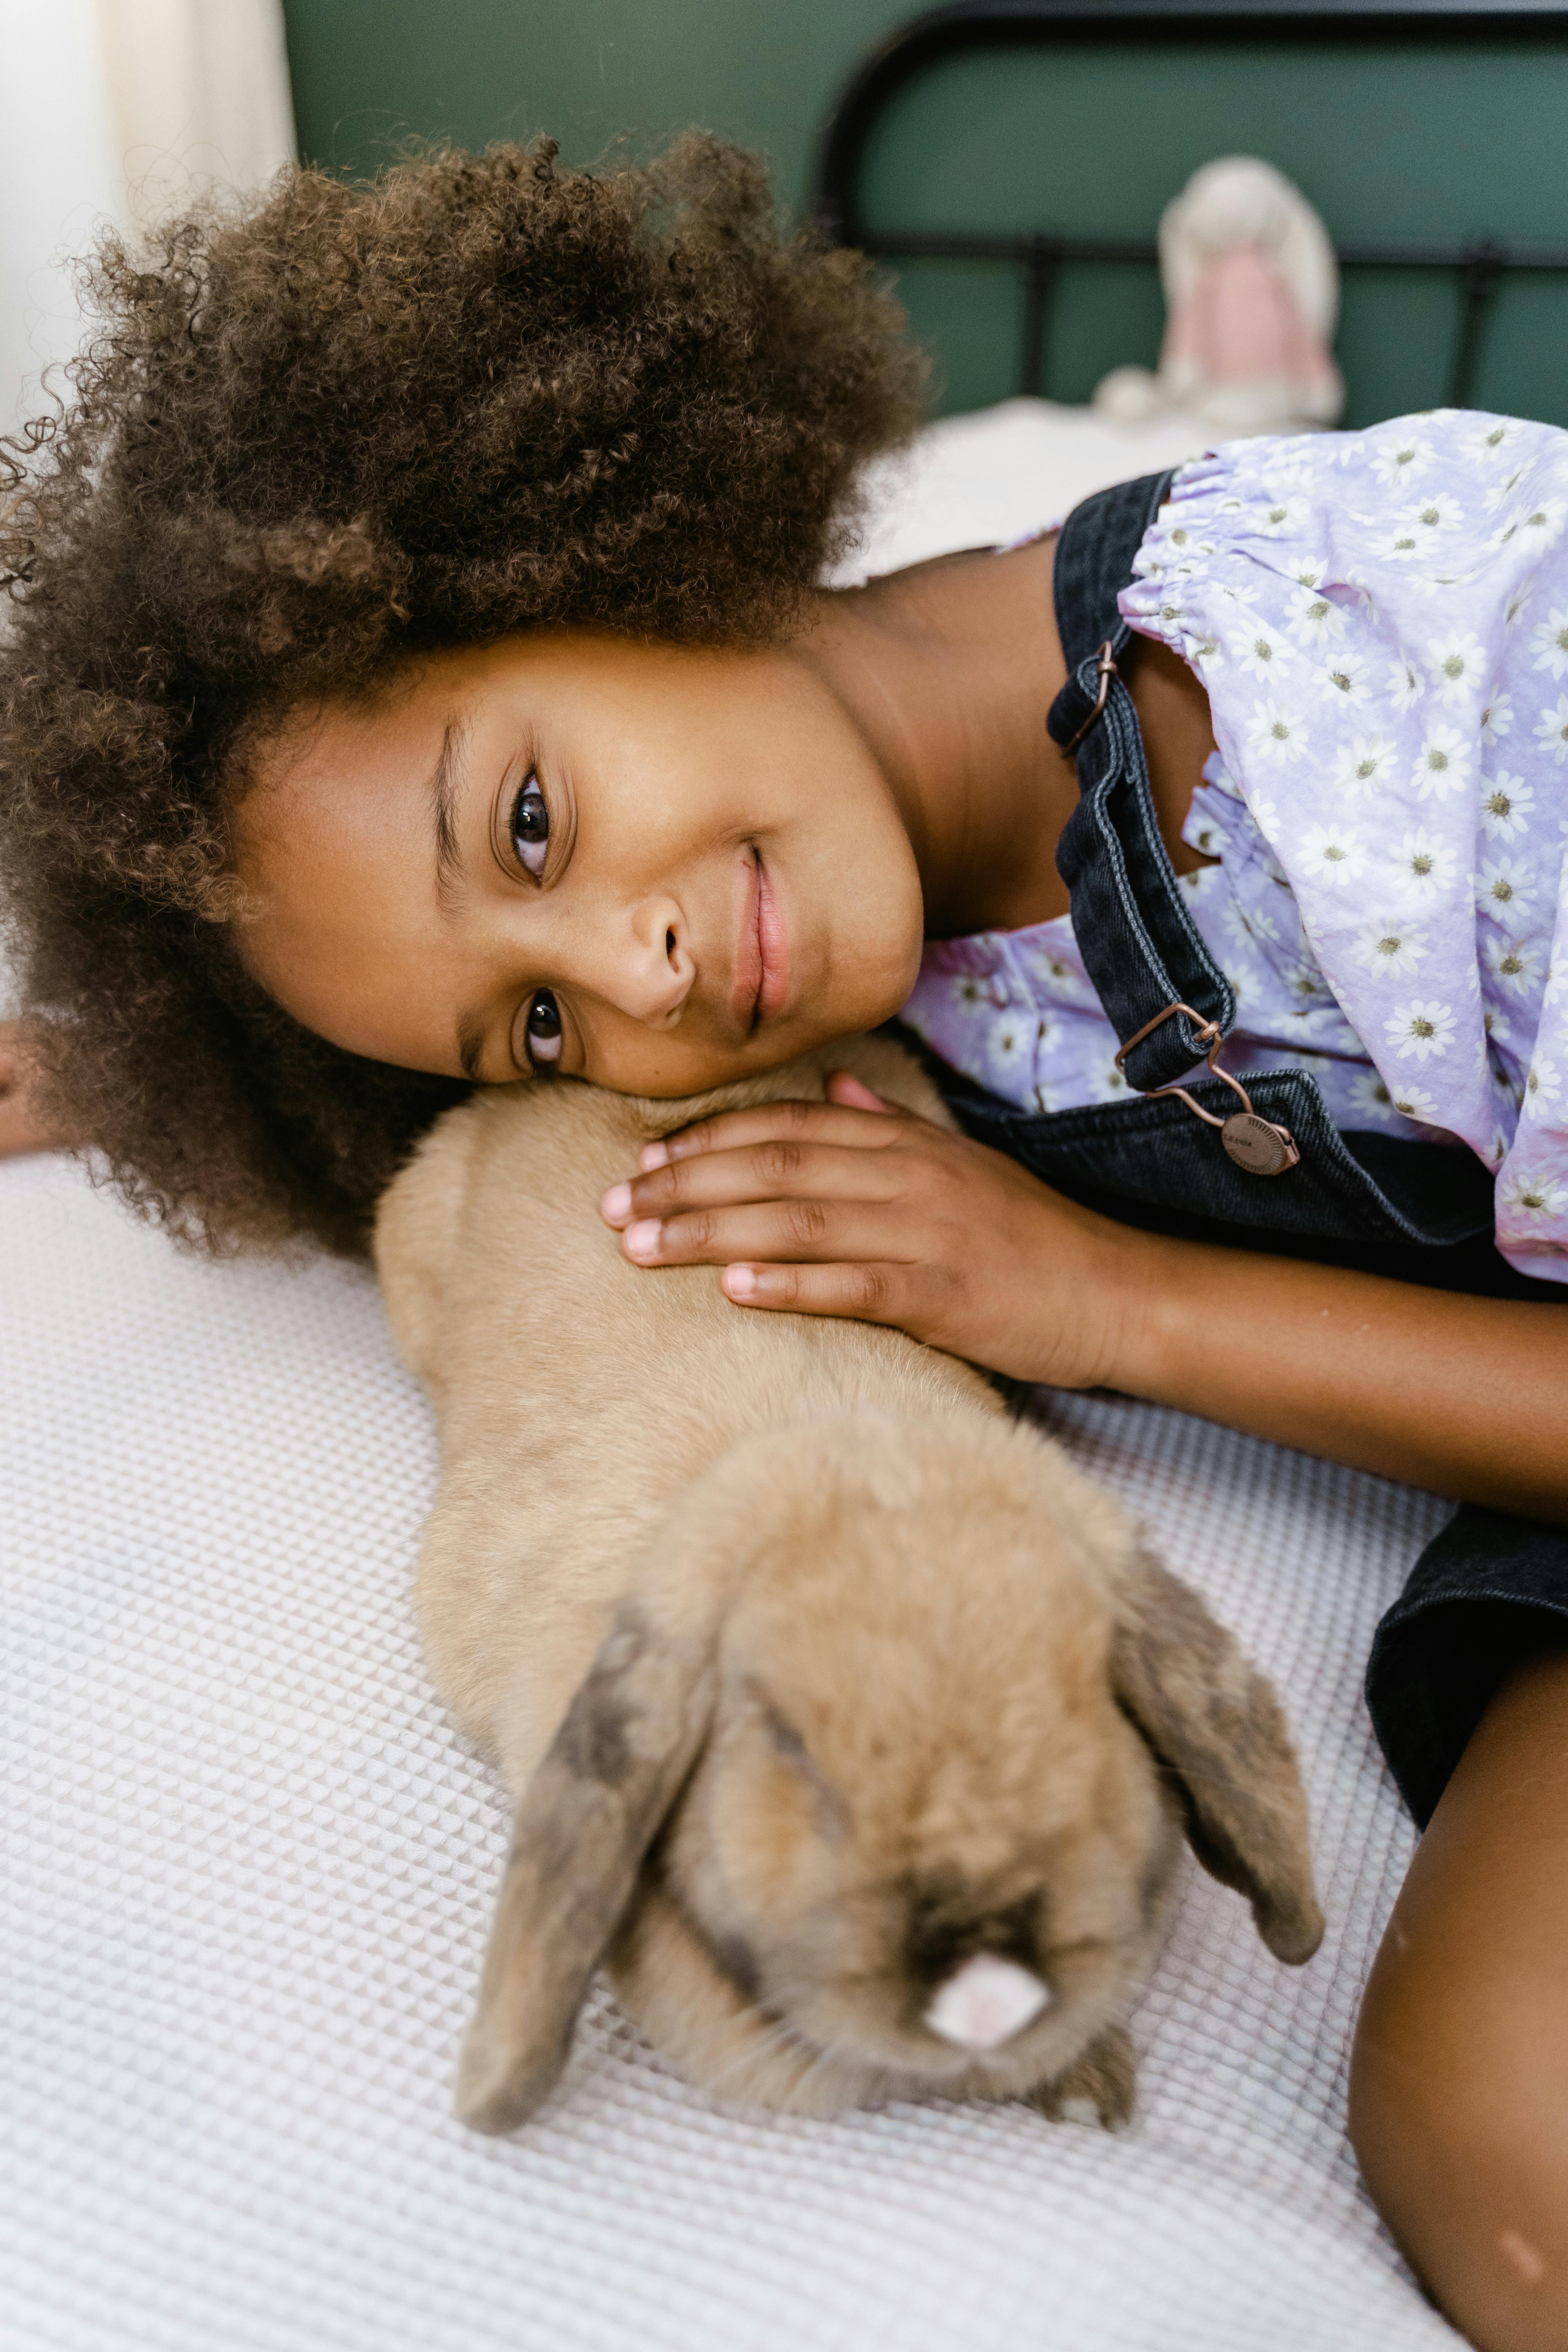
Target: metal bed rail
x,y
1478,265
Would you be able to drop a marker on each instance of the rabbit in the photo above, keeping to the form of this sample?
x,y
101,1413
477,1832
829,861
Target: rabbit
x,y
846,1720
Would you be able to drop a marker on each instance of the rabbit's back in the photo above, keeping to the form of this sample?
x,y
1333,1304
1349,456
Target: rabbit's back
x,y
577,1393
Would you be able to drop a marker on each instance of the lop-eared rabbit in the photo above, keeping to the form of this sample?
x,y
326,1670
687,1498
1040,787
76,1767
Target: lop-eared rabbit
x,y
844,1718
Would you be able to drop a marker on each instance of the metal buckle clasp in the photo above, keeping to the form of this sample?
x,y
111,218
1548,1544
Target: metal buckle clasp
x,y
1253,1142
1106,660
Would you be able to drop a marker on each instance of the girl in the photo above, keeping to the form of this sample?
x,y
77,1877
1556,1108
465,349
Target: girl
x,y
415,679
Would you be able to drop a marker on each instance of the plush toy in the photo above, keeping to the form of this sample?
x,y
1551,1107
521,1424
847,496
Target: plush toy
x,y
1251,299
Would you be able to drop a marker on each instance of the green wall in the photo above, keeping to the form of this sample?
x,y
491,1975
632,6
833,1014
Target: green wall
x,y
1411,141
1388,140
367,71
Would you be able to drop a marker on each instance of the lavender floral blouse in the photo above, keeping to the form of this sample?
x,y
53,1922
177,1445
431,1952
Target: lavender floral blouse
x,y
1380,620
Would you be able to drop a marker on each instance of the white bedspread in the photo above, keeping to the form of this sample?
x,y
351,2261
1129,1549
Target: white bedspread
x,y
248,1869
984,479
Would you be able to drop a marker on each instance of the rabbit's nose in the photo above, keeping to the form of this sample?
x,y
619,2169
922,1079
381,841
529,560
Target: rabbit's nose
x,y
986,2002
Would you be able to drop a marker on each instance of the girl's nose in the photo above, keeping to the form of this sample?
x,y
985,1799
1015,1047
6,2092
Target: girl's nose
x,y
654,968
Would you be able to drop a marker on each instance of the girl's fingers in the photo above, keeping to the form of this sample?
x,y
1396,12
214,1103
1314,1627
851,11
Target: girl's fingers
x,y
788,1230
872,1293
762,1171
777,1122
21,1128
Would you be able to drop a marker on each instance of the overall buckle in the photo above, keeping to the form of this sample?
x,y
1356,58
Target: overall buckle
x,y
1105,661
1253,1142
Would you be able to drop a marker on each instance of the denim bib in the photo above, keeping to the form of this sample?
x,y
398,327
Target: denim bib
x,y
1146,958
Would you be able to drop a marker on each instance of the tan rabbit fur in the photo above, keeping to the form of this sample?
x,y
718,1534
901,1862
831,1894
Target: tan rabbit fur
x,y
838,1708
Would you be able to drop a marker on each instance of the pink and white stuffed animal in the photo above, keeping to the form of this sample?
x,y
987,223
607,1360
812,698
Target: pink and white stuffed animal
x,y
1252,296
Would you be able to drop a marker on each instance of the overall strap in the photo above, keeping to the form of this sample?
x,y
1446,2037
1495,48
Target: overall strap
x,y
1139,944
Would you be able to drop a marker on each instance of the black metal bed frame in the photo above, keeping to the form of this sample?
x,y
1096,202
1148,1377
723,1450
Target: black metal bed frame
x,y
1478,264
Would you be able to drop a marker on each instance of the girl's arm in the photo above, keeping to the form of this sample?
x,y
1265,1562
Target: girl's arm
x,y
1468,1396
847,1209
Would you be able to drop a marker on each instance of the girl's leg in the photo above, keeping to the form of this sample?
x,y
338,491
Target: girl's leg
x,y
1459,2108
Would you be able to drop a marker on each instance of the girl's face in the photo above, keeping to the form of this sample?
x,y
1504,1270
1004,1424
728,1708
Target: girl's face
x,y
565,852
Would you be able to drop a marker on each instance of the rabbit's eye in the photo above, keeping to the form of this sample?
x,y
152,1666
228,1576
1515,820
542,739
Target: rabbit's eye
x,y
785,1739
832,1813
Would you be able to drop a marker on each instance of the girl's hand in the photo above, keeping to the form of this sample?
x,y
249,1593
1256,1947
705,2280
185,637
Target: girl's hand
x,y
850,1208
21,1128
854,1208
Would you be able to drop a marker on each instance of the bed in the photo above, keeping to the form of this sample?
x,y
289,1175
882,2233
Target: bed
x,y
249,1868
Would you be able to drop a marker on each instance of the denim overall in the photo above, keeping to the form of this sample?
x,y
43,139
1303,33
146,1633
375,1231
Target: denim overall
x,y
1417,1210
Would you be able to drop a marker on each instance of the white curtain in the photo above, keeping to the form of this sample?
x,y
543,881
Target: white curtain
x,y
111,111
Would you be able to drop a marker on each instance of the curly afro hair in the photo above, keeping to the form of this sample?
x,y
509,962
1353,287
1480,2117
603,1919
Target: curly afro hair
x,y
311,439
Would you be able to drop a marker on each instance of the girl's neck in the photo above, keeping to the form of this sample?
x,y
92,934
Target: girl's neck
x,y
948,670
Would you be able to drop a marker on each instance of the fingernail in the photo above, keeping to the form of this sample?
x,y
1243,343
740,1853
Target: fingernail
x,y
642,1239
741,1282
617,1205
653,1155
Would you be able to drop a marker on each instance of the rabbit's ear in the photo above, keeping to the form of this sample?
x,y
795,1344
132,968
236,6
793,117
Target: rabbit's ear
x,y
585,1822
1216,1724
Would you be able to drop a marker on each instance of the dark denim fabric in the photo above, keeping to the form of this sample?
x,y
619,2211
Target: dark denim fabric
x,y
1348,1188
1490,1588
1485,1593
1141,946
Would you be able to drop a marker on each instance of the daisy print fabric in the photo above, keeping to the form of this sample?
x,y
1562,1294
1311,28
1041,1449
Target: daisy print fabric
x,y
1380,620
1018,1012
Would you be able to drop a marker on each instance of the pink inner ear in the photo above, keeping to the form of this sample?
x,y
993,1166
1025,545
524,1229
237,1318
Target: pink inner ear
x,y
986,2002
1240,323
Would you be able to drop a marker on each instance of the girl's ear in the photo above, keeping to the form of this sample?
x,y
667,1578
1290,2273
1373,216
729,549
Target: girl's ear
x,y
1217,1726
586,1821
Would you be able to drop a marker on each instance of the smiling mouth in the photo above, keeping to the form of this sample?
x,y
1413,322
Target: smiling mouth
x,y
761,969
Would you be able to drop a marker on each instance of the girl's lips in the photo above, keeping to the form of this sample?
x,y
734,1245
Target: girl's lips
x,y
746,969
761,969
772,946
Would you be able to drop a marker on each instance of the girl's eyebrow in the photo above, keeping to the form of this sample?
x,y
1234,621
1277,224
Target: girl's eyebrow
x,y
444,787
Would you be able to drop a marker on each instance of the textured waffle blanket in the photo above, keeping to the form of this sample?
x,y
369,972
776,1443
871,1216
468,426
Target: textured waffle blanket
x,y
249,1871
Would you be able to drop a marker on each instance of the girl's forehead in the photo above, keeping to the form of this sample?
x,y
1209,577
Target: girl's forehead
x,y
326,759
550,667
335,851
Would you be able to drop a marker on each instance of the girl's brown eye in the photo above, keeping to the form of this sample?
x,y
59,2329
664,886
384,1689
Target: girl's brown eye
x,y
542,1029
531,827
